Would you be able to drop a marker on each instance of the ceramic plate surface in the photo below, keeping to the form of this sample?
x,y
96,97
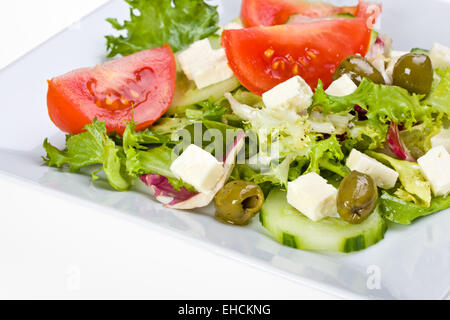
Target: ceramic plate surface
x,y
412,262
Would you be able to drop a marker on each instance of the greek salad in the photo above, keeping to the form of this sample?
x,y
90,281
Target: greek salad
x,y
298,115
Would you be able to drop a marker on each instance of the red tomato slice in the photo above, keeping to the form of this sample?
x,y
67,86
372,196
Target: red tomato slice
x,y
369,11
273,12
138,87
262,57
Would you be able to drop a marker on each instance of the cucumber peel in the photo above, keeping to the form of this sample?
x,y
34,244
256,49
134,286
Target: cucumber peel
x,y
293,229
186,93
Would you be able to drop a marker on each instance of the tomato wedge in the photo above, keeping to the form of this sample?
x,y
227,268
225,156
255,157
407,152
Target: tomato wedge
x,y
273,12
262,57
138,87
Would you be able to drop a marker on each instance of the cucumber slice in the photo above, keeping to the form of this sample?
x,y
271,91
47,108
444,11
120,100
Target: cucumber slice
x,y
186,93
293,229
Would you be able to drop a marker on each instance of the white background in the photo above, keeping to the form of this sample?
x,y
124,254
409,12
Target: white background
x,y
50,248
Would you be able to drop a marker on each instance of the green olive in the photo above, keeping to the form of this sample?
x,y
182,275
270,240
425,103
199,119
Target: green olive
x,y
357,197
238,202
358,68
414,72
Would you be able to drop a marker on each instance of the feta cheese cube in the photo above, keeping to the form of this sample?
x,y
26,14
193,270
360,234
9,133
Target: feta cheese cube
x,y
442,139
313,196
198,168
293,94
216,70
383,176
435,166
440,56
204,65
191,58
341,87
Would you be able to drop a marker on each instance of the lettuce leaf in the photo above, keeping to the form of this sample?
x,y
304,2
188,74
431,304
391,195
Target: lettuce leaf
x,y
363,135
157,22
88,148
418,138
439,98
402,212
383,104
206,110
276,175
410,176
327,154
143,159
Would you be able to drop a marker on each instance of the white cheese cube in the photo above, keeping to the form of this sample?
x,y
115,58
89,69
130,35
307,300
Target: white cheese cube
x,y
383,176
435,166
440,56
293,94
214,71
313,196
442,139
204,65
191,58
341,87
198,168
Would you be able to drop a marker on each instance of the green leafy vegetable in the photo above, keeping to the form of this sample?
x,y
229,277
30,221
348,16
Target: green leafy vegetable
x,y
439,97
327,154
207,110
402,212
383,104
90,148
157,22
418,139
276,175
141,159
410,176
364,135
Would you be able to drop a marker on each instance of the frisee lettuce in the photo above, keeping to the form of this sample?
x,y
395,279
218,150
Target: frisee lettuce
x,y
157,22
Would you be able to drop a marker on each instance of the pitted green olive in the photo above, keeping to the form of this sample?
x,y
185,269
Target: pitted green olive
x,y
357,197
358,68
238,202
414,72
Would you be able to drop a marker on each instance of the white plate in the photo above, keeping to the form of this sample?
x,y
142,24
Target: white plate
x,y
412,262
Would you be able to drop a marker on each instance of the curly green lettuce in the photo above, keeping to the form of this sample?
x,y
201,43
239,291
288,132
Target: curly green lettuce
x,y
383,104
327,154
92,147
157,22
439,98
